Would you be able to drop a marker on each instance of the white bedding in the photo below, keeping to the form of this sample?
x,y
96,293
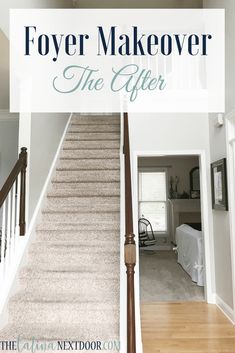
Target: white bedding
x,y
190,252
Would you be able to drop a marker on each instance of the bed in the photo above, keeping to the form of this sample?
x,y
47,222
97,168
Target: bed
x,y
190,252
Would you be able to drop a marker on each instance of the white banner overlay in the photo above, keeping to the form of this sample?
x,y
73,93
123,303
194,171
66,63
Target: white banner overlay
x,y
147,60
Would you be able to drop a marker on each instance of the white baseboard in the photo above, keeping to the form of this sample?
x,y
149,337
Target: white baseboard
x,y
157,247
225,308
11,283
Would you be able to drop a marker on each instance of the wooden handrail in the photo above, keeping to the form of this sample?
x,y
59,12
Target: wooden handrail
x,y
130,247
19,168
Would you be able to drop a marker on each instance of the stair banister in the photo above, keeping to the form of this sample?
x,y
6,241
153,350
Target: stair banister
x,y
130,247
19,169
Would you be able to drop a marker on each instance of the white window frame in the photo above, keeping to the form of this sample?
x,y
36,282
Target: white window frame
x,y
155,170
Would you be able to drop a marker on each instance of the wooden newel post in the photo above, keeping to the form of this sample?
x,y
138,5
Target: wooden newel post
x,y
23,159
130,247
130,254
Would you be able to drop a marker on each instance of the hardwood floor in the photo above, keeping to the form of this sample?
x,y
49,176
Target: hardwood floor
x,y
189,327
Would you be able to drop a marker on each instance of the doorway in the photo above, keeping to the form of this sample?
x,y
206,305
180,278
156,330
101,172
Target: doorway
x,y
200,156
170,232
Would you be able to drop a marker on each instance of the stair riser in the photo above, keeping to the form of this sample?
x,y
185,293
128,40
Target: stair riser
x,y
75,248
80,204
38,313
81,193
68,289
84,189
92,136
94,128
45,226
81,218
58,332
86,208
86,154
51,270
91,145
89,164
86,176
60,259
74,273
105,120
93,236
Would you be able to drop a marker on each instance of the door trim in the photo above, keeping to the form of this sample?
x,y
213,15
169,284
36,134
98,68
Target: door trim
x,y
206,210
230,144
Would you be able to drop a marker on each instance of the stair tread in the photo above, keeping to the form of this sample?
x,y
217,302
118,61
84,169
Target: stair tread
x,y
57,332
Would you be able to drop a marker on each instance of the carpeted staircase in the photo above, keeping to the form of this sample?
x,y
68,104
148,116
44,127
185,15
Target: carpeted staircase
x,y
70,285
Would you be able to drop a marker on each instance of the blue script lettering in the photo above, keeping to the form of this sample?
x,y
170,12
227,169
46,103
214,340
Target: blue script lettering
x,y
81,78
132,79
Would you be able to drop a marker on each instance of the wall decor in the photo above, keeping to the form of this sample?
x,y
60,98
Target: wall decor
x,y
194,176
219,185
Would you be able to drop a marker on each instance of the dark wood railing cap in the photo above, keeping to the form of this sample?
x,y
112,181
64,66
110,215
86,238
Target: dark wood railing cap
x,y
19,168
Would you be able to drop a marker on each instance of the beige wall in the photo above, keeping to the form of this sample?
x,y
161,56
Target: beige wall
x,y
221,219
139,3
6,5
4,71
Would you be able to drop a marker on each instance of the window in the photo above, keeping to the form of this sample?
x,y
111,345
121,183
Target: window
x,y
153,198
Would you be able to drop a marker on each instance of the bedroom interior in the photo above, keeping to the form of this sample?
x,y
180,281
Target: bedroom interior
x,y
170,231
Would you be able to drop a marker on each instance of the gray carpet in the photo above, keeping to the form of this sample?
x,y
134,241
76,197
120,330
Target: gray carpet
x,y
70,285
163,279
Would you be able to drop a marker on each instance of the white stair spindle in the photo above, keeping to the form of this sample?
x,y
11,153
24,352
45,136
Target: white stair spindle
x,y
8,230
3,240
13,219
17,228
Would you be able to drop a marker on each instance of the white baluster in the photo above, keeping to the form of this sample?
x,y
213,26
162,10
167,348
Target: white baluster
x,y
3,241
8,242
17,229
13,219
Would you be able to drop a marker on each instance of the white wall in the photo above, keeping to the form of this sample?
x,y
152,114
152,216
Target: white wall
x,y
4,71
46,133
9,126
169,133
221,219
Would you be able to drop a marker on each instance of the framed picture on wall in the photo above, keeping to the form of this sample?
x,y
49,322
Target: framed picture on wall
x,y
219,185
